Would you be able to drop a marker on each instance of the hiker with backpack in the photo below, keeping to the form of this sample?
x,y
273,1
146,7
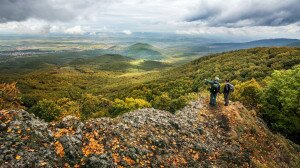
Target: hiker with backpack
x,y
214,90
228,88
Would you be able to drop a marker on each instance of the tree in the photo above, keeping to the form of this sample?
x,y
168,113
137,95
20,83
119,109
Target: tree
x,y
29,101
129,104
162,102
90,104
281,102
47,110
178,103
9,96
247,92
68,107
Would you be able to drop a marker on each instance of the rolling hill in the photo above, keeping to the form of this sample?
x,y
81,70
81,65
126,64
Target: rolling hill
x,y
294,44
143,51
258,43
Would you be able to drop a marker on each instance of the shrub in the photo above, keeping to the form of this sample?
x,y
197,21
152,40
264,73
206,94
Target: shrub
x,y
162,102
121,106
47,110
281,102
247,92
68,107
29,101
178,103
90,104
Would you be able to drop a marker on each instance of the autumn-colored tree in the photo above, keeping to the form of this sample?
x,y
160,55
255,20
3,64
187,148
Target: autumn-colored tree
x,y
9,96
68,107
129,104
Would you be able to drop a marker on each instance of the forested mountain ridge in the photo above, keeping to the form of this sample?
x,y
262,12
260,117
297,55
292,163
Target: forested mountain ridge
x,y
257,43
196,136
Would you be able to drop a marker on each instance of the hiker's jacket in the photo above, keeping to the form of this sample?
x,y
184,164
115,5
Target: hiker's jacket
x,y
212,83
228,88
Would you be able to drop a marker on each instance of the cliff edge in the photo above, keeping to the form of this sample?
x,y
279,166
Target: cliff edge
x,y
196,136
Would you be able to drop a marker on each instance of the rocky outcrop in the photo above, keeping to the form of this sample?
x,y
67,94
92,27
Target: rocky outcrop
x,y
196,136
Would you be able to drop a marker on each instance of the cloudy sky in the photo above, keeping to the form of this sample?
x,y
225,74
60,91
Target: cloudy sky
x,y
238,18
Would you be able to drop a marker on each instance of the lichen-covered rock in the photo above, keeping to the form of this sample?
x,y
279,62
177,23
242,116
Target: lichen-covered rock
x,y
196,136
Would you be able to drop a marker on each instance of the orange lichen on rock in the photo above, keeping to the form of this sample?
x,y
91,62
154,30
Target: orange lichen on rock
x,y
116,158
128,160
63,131
59,149
93,146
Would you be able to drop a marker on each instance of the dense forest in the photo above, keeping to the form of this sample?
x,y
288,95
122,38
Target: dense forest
x,y
266,79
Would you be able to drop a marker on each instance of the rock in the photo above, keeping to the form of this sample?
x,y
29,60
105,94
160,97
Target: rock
x,y
160,143
3,127
174,124
200,130
196,136
101,161
63,139
198,147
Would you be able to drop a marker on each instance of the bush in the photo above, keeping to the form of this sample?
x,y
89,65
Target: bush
x,y
177,104
90,104
162,102
281,102
119,106
247,92
47,110
29,101
9,96
68,107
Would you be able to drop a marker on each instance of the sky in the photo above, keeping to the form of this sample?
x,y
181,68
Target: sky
x,y
224,18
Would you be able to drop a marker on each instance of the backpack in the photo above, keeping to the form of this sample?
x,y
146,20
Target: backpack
x,y
215,88
231,87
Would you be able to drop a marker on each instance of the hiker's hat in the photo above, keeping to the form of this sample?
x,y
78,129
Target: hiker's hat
x,y
217,78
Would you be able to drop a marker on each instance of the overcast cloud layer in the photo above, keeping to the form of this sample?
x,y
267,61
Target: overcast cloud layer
x,y
261,18
247,13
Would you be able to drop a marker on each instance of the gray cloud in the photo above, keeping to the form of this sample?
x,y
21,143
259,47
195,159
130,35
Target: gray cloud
x,y
20,10
49,10
233,13
234,17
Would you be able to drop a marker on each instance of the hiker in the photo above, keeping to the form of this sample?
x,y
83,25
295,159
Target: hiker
x,y
214,90
228,88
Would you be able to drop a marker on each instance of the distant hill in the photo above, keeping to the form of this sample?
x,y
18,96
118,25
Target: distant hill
x,y
251,44
294,44
143,51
